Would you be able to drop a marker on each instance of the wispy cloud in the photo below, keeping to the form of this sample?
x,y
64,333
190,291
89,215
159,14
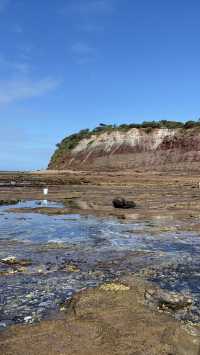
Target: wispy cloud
x,y
20,67
90,27
15,90
17,81
83,52
88,18
17,29
4,4
81,48
89,8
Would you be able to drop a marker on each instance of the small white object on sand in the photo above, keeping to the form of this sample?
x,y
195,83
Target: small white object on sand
x,y
45,191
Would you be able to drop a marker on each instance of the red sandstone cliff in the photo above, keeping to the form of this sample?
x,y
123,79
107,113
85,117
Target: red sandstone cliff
x,y
135,148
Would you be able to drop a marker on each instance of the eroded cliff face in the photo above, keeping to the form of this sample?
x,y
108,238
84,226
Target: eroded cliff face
x,y
134,148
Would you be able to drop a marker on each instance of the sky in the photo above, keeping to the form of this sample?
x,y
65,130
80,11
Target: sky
x,y
66,65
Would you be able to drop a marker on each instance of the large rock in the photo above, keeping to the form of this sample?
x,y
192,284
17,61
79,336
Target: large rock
x,y
101,321
171,300
8,202
122,203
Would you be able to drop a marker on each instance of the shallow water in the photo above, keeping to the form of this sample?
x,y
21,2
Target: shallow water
x,y
68,253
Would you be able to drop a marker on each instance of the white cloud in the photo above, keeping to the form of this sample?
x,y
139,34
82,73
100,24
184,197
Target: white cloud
x,y
4,4
15,90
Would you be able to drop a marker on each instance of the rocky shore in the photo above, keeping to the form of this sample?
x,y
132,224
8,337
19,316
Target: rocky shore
x,y
112,319
128,315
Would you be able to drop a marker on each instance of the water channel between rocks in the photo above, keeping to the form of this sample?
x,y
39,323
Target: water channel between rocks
x,y
57,256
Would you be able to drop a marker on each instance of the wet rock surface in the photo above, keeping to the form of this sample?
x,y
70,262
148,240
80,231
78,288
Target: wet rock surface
x,y
111,319
12,261
45,260
167,300
183,279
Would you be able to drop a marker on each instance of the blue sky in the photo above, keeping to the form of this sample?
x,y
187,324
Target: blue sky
x,y
72,64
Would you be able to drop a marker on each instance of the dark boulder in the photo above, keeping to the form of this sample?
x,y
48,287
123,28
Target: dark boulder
x,y
122,203
8,202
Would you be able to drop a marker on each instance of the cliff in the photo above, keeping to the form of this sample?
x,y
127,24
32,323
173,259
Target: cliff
x,y
117,148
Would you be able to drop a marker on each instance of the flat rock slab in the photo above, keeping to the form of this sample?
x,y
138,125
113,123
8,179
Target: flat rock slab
x,y
106,320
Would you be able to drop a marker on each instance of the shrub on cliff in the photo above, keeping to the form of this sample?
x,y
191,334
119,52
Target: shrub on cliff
x,y
191,124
